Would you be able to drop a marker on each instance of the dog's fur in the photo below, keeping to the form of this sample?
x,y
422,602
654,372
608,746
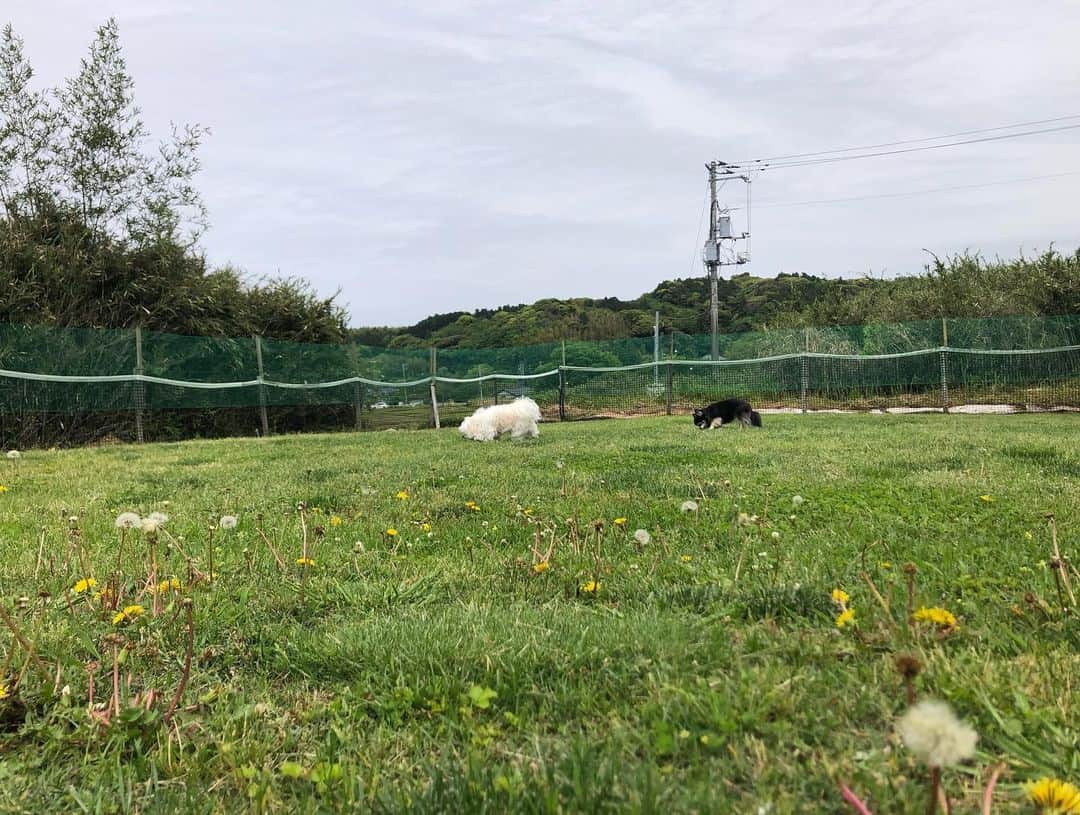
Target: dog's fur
x,y
727,411
518,418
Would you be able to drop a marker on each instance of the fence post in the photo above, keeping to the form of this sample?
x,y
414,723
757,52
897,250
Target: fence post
x,y
804,372
262,388
140,388
562,394
434,397
670,372
944,366
358,389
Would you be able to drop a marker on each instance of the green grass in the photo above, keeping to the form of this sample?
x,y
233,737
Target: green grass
x,y
438,673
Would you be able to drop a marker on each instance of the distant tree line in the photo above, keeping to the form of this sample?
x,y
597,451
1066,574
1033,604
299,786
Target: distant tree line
x,y
964,285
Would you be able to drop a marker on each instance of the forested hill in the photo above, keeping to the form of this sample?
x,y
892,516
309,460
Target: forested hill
x,y
961,286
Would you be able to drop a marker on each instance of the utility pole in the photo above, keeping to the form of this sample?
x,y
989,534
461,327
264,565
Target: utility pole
x,y
720,246
712,261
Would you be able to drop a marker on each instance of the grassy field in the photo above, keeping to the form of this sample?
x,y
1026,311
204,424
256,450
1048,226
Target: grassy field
x,y
445,668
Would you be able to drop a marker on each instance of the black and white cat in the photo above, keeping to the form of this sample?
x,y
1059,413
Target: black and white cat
x,y
725,412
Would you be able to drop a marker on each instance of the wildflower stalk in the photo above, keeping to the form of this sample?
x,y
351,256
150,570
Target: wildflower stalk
x,y
211,545
120,548
935,790
1061,574
26,644
269,545
910,570
40,554
188,605
854,800
877,596
988,793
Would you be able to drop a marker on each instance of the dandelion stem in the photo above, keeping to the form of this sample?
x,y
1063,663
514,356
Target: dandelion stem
x,y
187,660
211,544
270,546
854,800
26,644
120,548
1060,564
40,554
988,793
935,786
877,596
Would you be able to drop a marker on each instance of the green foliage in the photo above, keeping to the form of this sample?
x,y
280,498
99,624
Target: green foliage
x,y
96,230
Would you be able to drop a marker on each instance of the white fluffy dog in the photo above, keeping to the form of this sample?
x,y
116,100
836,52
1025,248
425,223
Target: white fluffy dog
x,y
518,418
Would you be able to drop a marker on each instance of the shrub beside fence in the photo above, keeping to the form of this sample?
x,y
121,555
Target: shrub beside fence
x,y
81,385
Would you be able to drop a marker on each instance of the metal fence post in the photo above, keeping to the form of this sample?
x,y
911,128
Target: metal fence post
x,y
140,388
944,366
670,386
358,389
262,388
562,394
434,396
804,373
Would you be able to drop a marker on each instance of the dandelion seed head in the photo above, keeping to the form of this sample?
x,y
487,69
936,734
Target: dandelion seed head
x,y
689,506
642,536
797,500
14,455
931,731
158,517
775,535
227,522
150,525
128,520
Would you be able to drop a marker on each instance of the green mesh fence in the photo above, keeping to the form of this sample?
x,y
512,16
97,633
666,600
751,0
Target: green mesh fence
x,y
77,385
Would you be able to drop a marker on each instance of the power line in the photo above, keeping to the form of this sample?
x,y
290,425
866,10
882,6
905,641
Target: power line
x,y
834,159
912,141
916,192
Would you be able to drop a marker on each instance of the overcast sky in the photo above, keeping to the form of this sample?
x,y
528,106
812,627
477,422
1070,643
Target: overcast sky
x,y
436,156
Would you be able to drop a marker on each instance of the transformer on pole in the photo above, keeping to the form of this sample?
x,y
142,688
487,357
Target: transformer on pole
x,y
721,247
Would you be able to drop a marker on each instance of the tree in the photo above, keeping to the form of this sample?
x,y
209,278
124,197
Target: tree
x,y
27,129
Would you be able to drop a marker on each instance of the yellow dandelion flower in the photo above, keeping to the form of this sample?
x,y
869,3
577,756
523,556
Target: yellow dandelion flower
x,y
104,596
591,586
886,564
129,613
83,585
541,567
305,561
172,584
527,511
1029,536
391,532
846,617
335,520
472,505
4,692
425,527
619,521
3,488
1053,796
938,616
686,558
402,495
840,596
987,499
